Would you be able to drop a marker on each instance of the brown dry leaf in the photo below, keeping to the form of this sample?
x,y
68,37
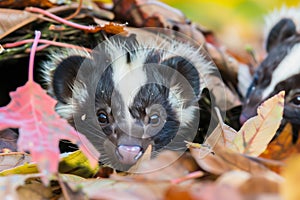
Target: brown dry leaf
x,y
254,136
249,184
167,166
225,160
26,3
34,189
291,173
258,185
118,189
13,159
203,191
12,20
9,185
146,13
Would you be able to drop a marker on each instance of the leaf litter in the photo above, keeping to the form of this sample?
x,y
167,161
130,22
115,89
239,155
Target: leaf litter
x,y
223,167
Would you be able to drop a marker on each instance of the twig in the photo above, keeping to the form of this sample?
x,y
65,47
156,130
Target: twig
x,y
76,11
49,42
91,29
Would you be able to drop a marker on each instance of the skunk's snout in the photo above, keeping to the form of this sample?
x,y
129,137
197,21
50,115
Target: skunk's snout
x,y
129,154
243,119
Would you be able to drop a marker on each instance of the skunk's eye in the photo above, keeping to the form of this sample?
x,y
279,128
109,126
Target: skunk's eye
x,y
103,118
296,100
154,120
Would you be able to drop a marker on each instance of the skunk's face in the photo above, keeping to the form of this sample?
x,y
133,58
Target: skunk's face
x,y
126,96
279,71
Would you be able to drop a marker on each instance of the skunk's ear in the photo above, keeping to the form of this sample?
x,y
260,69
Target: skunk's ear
x,y
184,78
65,74
284,29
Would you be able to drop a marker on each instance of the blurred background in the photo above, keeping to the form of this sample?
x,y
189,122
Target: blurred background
x,y
236,23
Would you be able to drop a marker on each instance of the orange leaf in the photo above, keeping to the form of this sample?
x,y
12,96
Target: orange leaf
x,y
282,146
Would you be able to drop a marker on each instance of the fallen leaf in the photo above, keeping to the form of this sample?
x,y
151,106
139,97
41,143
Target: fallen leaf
x,y
10,184
254,136
290,187
34,189
22,4
32,111
168,165
282,146
78,164
203,191
12,20
222,134
225,160
116,189
13,159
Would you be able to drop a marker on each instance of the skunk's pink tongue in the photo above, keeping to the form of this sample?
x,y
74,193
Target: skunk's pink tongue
x,y
129,154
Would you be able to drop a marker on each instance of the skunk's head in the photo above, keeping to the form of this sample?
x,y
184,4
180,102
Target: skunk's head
x,y
127,95
280,70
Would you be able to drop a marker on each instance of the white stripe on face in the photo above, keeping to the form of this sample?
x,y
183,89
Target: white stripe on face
x,y
288,67
128,79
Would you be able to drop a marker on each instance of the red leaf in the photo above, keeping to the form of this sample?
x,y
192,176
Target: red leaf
x,y
32,111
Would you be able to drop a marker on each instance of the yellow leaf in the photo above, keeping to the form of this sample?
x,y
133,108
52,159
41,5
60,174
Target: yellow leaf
x,y
74,163
290,188
257,132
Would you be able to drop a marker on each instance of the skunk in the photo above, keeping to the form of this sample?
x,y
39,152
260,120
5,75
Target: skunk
x,y
130,93
280,70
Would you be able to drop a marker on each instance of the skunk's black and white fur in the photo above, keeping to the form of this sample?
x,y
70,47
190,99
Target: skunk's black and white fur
x,y
280,70
128,94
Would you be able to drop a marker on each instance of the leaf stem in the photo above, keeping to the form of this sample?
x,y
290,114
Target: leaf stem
x,y
32,54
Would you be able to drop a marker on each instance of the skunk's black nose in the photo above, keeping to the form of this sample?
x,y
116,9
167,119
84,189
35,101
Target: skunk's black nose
x,y
129,154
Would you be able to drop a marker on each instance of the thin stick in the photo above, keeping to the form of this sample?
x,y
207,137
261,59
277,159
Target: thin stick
x,y
61,20
60,44
76,11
